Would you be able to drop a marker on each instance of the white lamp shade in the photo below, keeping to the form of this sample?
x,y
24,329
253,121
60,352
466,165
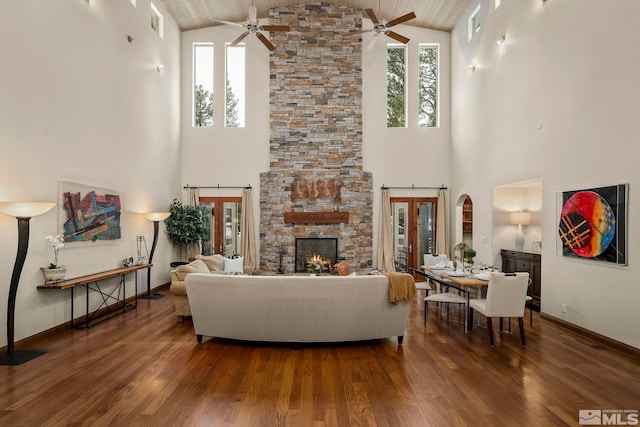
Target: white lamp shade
x,y
520,218
157,216
25,209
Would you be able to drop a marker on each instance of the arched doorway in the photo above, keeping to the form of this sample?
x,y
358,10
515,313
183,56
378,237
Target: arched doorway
x,y
464,221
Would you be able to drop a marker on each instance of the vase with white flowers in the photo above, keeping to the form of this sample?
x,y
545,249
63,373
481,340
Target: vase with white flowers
x,y
316,265
54,272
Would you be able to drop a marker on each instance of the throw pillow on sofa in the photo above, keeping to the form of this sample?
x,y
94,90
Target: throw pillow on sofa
x,y
214,262
234,265
197,266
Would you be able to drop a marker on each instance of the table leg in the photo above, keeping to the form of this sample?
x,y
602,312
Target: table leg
x,y
86,319
72,307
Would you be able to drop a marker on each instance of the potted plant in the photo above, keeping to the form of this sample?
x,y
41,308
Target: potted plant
x,y
187,225
469,255
54,272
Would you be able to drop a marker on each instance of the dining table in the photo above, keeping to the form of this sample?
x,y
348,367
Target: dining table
x,y
466,281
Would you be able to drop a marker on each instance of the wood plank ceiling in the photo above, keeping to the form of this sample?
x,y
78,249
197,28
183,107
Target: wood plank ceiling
x,y
434,14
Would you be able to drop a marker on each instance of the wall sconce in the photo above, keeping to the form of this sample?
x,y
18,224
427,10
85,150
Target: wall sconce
x,y
22,211
520,219
131,40
156,217
501,40
472,67
159,67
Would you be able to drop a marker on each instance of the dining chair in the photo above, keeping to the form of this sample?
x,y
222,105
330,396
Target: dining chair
x,y
447,294
430,260
428,285
529,303
506,297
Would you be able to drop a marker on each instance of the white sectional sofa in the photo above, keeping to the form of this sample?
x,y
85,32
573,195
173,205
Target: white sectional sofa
x,y
295,309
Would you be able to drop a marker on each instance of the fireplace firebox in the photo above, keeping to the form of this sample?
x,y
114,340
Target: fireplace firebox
x,y
308,247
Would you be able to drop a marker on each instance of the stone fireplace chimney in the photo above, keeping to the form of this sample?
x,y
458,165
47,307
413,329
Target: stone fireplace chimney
x,y
315,186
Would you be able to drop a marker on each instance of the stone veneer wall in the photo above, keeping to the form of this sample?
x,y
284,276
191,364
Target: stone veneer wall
x,y
316,134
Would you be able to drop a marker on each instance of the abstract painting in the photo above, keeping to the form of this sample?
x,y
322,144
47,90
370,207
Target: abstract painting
x,y
89,214
593,223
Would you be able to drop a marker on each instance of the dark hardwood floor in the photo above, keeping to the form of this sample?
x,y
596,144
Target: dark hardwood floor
x,y
146,369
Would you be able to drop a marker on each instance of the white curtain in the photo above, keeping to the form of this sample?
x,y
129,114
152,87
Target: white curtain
x,y
194,200
442,244
385,243
247,232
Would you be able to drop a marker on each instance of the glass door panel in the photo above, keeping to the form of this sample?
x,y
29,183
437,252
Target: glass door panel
x,y
401,249
414,232
426,227
232,211
207,242
224,232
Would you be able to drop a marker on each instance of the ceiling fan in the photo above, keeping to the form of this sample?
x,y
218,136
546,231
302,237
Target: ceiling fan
x,y
252,26
381,26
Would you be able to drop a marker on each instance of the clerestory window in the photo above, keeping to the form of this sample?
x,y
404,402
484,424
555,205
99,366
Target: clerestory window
x,y
428,85
396,86
202,84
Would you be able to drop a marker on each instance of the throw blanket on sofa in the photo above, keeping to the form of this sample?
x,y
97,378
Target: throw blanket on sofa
x,y
401,286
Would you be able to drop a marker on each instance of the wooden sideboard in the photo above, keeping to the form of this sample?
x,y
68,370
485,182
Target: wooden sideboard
x,y
528,262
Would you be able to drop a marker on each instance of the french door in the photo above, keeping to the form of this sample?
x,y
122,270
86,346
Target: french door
x,y
414,230
224,230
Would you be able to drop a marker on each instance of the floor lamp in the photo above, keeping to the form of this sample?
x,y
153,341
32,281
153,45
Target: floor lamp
x,y
156,217
22,211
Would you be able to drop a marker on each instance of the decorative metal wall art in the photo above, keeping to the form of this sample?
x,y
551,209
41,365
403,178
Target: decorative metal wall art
x,y
593,223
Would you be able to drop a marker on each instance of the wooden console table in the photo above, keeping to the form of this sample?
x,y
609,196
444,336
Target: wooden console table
x,y
104,311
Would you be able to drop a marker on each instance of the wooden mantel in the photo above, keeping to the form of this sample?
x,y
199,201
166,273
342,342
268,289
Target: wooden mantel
x,y
328,217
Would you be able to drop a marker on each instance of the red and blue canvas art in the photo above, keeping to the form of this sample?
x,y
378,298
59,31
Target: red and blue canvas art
x,y
592,223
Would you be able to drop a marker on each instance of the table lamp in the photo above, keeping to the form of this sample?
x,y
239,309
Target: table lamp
x,y
156,217
23,212
520,219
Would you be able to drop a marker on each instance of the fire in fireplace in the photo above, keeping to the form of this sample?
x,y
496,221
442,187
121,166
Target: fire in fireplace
x,y
309,247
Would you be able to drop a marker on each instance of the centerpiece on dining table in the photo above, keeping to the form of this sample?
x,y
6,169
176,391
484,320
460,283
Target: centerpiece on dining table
x,y
317,265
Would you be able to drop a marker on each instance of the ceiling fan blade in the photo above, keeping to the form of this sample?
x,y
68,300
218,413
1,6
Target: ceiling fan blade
x,y
240,38
399,37
400,20
372,15
265,41
275,27
360,32
371,44
227,22
253,13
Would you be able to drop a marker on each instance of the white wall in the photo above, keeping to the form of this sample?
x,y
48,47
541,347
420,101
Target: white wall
x,y
512,198
80,103
220,155
558,101
396,157
408,156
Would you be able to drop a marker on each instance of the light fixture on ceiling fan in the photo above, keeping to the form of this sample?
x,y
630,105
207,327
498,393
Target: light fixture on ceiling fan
x,y
252,26
381,26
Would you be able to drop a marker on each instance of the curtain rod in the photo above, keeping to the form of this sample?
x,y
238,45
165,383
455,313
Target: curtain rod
x,y
413,187
247,187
